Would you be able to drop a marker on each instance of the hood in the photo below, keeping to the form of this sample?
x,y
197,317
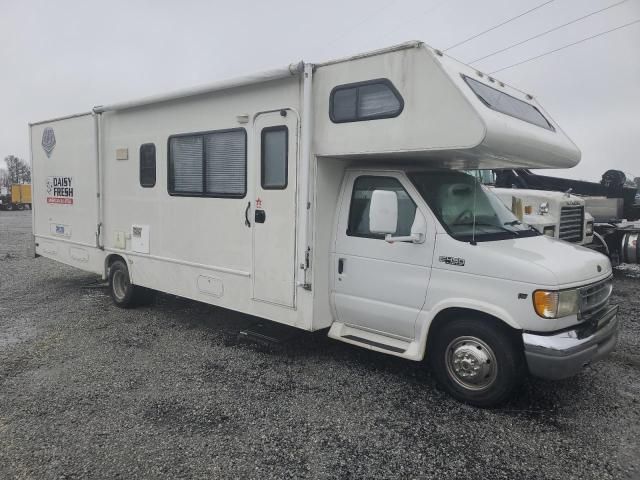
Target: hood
x,y
540,260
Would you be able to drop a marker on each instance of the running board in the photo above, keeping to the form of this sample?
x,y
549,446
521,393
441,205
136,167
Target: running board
x,y
374,344
375,341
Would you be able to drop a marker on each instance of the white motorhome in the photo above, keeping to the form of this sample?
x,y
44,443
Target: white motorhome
x,y
331,196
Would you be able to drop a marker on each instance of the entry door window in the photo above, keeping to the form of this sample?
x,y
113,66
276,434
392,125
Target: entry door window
x,y
363,188
275,157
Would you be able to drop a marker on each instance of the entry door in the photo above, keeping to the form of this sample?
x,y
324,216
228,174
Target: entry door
x,y
379,286
274,219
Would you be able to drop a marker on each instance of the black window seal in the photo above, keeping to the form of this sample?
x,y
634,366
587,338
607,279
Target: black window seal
x,y
275,128
204,193
466,77
155,153
372,236
356,85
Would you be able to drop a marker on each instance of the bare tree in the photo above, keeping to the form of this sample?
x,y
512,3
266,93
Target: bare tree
x,y
18,171
4,179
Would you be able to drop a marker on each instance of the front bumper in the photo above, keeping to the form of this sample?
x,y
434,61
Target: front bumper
x,y
561,355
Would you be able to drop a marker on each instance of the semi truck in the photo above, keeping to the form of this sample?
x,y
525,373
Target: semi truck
x,y
555,214
332,197
611,207
18,197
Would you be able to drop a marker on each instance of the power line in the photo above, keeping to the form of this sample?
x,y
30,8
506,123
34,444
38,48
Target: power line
x,y
366,19
566,46
546,32
499,25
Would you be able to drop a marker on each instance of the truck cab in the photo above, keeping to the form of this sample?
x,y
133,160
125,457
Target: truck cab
x,y
555,214
431,262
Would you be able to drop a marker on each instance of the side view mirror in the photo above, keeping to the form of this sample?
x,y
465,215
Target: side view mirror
x,y
383,212
383,218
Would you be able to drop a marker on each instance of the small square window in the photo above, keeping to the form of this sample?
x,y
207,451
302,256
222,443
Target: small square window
x,y
148,165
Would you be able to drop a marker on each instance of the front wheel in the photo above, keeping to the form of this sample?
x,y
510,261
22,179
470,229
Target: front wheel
x,y
477,361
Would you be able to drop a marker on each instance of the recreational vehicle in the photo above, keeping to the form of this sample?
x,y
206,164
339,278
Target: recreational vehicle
x,y
332,196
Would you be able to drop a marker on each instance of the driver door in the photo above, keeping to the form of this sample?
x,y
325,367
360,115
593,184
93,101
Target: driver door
x,y
379,286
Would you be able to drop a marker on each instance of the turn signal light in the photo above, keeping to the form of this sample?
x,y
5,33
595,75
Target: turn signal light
x,y
554,304
545,303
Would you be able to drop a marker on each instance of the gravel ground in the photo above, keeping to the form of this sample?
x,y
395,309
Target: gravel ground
x,y
88,390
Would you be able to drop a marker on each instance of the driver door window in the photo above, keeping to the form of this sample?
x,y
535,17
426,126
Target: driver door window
x,y
363,188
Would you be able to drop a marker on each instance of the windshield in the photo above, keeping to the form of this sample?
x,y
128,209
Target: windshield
x,y
460,202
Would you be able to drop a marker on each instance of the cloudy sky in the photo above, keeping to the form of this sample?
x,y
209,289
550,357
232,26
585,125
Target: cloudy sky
x,y
66,56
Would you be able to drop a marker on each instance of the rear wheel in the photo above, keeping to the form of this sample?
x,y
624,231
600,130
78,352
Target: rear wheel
x,y
477,361
20,206
123,292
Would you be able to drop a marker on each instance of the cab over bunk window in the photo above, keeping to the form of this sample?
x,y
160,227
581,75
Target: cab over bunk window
x,y
355,102
209,164
363,188
505,103
148,165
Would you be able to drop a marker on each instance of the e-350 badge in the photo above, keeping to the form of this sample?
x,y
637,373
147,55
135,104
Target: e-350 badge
x,y
457,261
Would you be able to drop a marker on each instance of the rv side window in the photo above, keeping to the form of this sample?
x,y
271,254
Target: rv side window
x,y
504,103
274,157
361,101
148,165
209,164
363,188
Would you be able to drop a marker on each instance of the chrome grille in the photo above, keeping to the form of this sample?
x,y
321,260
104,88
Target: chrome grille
x,y
571,223
594,297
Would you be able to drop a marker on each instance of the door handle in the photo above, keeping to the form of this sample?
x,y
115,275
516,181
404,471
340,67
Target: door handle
x,y
246,215
341,266
260,216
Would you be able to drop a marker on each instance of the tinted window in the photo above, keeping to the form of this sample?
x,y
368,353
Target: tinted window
x,y
212,164
274,157
365,101
504,103
148,165
363,188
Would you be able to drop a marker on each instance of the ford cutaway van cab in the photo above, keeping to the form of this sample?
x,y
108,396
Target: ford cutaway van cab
x,y
333,196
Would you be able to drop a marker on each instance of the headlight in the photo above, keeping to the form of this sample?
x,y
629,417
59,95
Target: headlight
x,y
549,231
543,209
554,304
589,230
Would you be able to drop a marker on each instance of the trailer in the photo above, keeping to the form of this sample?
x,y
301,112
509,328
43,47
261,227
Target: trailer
x,y
17,198
331,196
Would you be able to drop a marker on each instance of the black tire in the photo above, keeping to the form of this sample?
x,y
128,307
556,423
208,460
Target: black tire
x,y
476,360
20,206
123,292
8,207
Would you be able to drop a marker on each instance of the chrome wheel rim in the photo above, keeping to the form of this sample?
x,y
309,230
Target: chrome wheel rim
x,y
120,284
471,363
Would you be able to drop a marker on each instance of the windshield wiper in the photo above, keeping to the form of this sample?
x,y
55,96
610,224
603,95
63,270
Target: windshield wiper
x,y
513,223
493,225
